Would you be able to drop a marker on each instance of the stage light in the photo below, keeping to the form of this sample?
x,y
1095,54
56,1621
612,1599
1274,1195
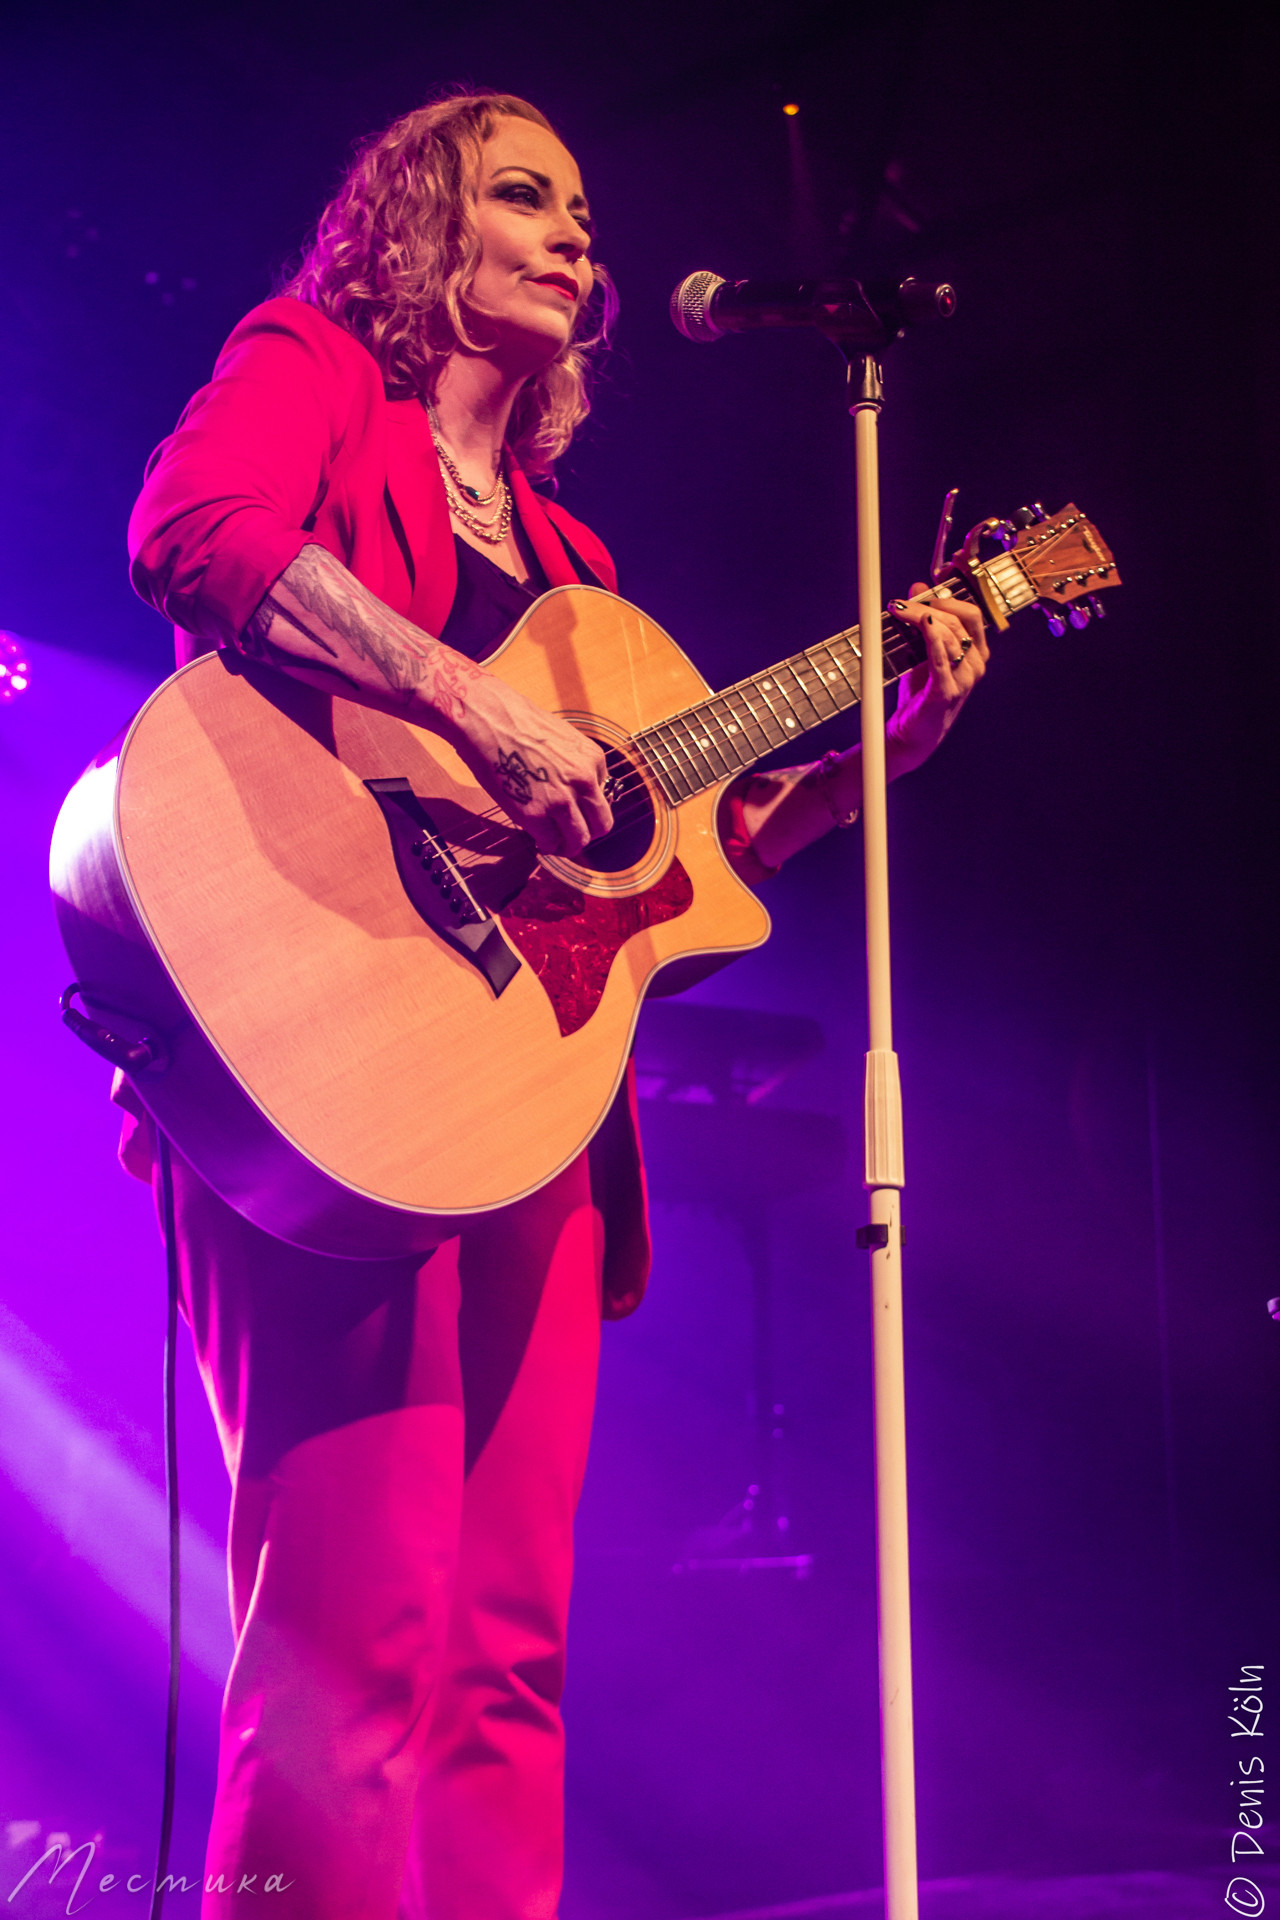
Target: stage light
x,y
103,1507
15,673
791,109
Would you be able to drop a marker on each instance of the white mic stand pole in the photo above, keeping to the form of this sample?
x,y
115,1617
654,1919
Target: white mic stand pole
x,y
704,307
883,1178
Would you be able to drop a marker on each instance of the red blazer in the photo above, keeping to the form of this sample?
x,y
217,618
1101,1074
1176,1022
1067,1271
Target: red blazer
x,y
293,442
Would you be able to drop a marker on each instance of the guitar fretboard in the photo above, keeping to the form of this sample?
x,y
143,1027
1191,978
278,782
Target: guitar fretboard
x,y
732,730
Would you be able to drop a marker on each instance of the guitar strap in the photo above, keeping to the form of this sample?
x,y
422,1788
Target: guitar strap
x,y
587,575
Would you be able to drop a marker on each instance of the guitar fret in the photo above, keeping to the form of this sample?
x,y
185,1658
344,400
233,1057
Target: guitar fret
x,y
692,745
672,772
686,745
764,687
849,683
790,722
816,688
768,743
794,671
774,731
834,680
751,741
660,756
852,681
899,640
745,722
712,728
729,725
697,770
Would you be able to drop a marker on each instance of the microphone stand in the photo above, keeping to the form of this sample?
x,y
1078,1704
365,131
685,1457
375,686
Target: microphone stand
x,y
862,321
883,1178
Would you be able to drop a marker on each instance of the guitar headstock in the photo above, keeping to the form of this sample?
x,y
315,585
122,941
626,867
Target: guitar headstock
x,y
1065,557
1045,557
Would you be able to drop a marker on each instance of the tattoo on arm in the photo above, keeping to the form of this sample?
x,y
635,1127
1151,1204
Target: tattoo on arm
x,y
256,643
516,774
405,659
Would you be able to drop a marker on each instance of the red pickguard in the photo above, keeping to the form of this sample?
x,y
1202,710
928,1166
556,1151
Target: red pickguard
x,y
570,938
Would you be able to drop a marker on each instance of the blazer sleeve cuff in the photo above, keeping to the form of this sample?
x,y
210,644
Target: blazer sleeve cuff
x,y
213,594
245,567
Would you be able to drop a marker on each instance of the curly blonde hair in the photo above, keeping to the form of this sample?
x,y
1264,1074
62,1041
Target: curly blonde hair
x,y
397,247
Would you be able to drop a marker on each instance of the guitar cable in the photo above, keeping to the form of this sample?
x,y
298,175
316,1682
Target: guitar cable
x,y
136,1056
175,1525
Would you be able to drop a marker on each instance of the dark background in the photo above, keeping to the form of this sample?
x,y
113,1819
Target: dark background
x,y
1084,877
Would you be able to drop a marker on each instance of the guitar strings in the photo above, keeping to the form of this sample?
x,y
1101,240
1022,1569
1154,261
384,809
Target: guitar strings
x,y
636,783
633,783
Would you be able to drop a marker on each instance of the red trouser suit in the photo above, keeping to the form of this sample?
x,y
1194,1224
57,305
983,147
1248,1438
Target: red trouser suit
x,y
406,1442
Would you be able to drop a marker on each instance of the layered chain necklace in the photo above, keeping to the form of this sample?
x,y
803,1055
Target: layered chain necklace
x,y
464,500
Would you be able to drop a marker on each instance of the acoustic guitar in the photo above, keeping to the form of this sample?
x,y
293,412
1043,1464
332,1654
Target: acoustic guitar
x,y
344,983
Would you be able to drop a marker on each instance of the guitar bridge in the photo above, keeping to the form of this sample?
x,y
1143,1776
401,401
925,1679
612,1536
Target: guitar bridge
x,y
436,887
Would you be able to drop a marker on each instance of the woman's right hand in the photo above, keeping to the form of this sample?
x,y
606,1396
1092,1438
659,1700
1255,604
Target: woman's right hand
x,y
544,774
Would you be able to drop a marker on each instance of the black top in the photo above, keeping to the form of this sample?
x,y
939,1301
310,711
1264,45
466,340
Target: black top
x,y
488,602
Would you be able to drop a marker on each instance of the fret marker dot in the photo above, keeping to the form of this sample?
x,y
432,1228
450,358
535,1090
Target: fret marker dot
x,y
731,727
766,684
791,723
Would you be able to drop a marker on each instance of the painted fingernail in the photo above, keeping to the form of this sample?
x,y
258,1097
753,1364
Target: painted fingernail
x,y
897,606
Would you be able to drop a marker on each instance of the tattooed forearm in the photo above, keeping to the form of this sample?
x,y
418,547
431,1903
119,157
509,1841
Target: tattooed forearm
x,y
258,642
327,591
319,617
516,776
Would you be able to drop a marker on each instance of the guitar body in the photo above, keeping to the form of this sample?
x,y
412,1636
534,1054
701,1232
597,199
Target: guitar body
x,y
342,1073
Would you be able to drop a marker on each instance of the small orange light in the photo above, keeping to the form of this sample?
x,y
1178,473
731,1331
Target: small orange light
x,y
791,109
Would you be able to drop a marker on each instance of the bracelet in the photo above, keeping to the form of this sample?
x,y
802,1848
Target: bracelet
x,y
820,779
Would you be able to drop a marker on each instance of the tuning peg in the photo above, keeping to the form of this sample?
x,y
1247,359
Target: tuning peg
x,y
1055,623
1079,616
1099,606
1029,516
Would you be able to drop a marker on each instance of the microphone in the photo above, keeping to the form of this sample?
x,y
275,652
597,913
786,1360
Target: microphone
x,y
705,307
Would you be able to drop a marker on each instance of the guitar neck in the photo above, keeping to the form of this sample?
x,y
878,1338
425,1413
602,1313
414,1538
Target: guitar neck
x,y
732,730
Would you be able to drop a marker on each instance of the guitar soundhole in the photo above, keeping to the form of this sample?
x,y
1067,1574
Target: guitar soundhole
x,y
634,820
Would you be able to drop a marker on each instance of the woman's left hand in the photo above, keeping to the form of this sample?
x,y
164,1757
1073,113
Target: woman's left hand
x,y
793,806
931,695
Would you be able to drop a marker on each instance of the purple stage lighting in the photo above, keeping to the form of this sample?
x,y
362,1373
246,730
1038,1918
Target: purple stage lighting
x,y
15,670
